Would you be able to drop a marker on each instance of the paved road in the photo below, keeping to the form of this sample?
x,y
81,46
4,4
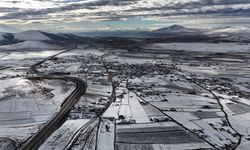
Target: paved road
x,y
34,142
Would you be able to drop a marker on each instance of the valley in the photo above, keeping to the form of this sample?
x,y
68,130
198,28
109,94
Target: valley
x,y
65,91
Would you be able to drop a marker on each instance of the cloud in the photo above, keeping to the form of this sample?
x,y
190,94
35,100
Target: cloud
x,y
47,11
6,28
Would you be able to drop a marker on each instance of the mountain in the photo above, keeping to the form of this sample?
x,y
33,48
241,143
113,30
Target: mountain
x,y
177,31
225,34
174,33
173,28
34,35
237,34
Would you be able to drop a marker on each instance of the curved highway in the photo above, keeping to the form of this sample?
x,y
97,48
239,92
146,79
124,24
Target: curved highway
x,y
37,139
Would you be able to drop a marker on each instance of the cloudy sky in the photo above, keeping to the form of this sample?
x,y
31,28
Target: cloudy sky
x,y
86,15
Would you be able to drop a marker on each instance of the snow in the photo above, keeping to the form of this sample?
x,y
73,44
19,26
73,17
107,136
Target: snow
x,y
241,123
242,88
24,56
176,30
238,29
73,67
149,125
183,84
61,137
99,90
245,144
136,109
149,81
129,107
227,97
216,135
128,60
31,36
237,33
105,140
201,70
30,45
182,101
193,123
189,146
26,109
112,111
202,47
61,89
13,132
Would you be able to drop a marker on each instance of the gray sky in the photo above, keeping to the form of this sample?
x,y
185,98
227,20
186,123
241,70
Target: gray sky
x,y
86,15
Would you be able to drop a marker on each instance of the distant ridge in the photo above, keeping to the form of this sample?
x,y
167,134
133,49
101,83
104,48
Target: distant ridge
x,y
31,35
172,28
177,31
172,33
34,35
223,34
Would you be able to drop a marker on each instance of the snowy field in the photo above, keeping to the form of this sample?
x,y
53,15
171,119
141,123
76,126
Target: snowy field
x,y
27,103
162,135
106,135
129,107
62,137
202,47
30,46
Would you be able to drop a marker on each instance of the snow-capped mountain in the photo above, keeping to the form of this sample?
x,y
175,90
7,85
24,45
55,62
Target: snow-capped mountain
x,y
174,33
177,30
32,35
174,29
230,33
233,30
36,35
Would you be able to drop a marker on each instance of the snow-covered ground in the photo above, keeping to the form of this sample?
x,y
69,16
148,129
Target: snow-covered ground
x,y
31,35
202,47
106,135
240,119
18,133
245,144
21,55
184,101
138,136
200,70
128,60
62,137
218,137
30,45
99,90
129,107
25,103
181,146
